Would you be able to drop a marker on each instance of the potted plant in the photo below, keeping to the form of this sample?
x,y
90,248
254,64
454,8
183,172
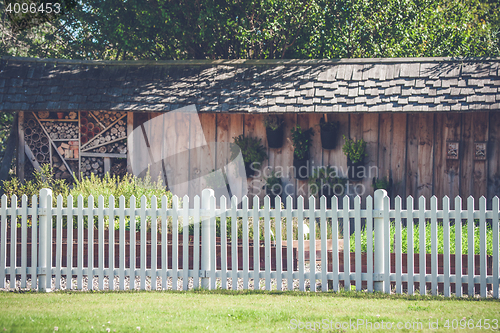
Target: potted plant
x,y
355,150
253,153
274,131
328,133
273,187
325,182
301,142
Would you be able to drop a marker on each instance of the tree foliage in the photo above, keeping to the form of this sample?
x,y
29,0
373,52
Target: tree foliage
x,y
268,29
6,119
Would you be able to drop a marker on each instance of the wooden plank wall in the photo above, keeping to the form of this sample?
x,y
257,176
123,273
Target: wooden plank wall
x,y
410,147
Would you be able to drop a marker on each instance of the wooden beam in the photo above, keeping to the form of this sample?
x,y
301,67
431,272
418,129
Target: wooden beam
x,y
107,164
111,155
130,144
32,158
20,147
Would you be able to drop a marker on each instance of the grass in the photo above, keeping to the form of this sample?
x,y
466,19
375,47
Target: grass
x,y
227,311
440,236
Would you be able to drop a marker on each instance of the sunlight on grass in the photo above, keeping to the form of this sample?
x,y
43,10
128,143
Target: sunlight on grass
x,y
224,311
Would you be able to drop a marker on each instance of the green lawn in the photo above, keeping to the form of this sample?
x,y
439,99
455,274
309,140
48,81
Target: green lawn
x,y
224,311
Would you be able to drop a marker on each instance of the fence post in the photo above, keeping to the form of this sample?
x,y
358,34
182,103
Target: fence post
x,y
44,261
378,221
206,194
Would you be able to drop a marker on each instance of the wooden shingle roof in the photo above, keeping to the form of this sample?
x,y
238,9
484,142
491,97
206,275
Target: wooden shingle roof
x,y
347,85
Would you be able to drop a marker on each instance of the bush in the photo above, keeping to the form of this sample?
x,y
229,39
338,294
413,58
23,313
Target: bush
x,y
127,186
42,179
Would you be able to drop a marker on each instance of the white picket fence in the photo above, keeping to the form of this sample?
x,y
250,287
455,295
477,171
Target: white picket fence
x,y
377,216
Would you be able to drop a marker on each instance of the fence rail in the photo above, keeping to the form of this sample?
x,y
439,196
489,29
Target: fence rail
x,y
299,248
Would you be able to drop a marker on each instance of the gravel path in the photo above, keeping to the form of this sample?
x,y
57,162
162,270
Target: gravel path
x,y
95,283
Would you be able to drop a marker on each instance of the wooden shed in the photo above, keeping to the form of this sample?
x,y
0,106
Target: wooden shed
x,y
77,115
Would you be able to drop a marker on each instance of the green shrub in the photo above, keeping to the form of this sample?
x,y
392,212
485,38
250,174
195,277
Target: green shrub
x,y
42,179
125,186
440,235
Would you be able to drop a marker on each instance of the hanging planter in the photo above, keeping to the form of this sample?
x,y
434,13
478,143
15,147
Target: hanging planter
x,y
301,143
250,169
274,131
329,131
252,151
301,167
355,150
355,170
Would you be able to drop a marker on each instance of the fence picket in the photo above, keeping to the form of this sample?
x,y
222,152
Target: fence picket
x,y
267,242
335,243
482,244
154,242
133,254
409,246
246,249
121,242
495,221
312,244
458,246
3,241
357,239
196,244
24,240
213,262
100,236
13,240
223,242
387,246
398,244
289,243
434,245
34,241
58,240
422,247
175,240
256,243
324,245
369,242
185,244
446,246
79,269
279,248
470,245
111,243
90,243
300,219
234,243
347,248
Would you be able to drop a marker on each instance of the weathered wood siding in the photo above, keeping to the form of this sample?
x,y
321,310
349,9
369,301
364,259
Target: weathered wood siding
x,y
410,147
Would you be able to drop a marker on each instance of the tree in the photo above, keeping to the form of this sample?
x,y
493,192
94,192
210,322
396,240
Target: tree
x,y
267,29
